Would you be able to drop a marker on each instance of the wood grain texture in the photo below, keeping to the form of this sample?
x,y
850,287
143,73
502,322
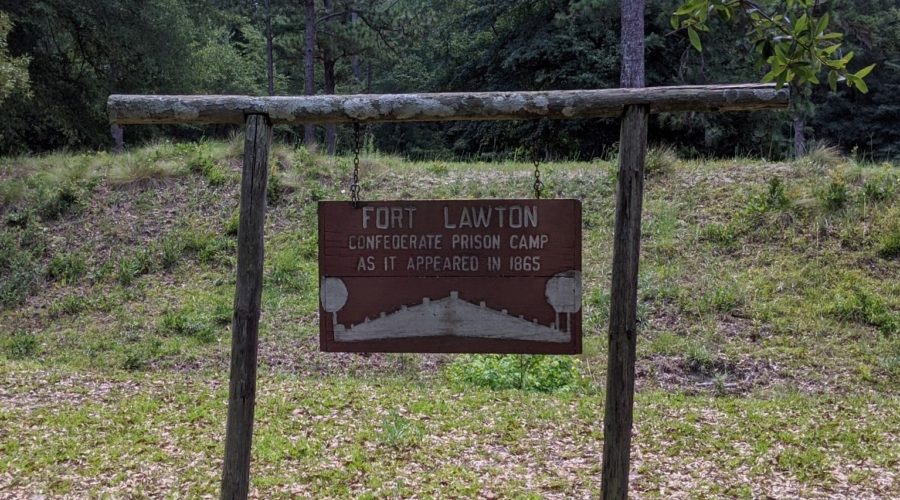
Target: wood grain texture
x,y
245,322
567,104
623,304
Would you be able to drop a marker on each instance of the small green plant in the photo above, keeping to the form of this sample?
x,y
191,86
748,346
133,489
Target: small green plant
x,y
398,431
835,196
62,200
525,372
889,243
138,355
276,190
20,271
437,168
698,358
882,185
200,161
130,268
67,268
721,234
823,156
853,302
69,305
660,160
186,323
774,198
20,345
233,222
171,250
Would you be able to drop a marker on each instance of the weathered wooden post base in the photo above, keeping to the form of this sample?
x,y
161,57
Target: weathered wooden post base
x,y
245,322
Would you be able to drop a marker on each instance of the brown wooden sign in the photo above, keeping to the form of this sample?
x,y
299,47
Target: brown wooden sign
x,y
494,276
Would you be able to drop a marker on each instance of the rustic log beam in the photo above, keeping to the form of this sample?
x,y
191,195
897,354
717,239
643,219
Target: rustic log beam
x,y
559,104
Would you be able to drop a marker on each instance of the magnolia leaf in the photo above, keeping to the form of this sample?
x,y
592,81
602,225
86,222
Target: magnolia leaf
x,y
695,39
865,71
801,24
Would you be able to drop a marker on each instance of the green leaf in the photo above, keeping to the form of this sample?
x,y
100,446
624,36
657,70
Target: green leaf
x,y
801,24
865,71
695,39
830,36
861,85
832,81
674,22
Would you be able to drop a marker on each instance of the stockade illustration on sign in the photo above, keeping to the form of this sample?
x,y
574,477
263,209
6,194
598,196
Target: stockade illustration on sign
x,y
632,105
452,315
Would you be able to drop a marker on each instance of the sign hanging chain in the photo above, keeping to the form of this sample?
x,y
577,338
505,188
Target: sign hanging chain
x,y
536,159
354,184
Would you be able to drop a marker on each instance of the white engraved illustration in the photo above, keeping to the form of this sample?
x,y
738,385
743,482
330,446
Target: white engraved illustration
x,y
455,316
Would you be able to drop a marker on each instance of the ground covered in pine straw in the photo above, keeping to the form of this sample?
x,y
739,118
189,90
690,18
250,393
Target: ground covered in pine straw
x,y
768,356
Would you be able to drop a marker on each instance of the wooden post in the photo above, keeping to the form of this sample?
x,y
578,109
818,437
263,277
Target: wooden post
x,y
245,321
623,304
619,412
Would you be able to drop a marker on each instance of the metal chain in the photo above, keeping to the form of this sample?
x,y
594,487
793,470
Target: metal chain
x,y
354,184
536,159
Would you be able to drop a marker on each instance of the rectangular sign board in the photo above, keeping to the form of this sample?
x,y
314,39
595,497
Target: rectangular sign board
x,y
491,276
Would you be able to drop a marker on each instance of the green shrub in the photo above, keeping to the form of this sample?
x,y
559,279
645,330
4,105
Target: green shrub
x,y
526,372
67,268
20,345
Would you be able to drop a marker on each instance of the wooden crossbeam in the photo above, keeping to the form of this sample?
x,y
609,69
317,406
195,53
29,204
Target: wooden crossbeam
x,y
557,104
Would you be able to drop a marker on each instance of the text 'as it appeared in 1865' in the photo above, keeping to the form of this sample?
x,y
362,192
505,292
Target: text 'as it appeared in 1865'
x,y
501,276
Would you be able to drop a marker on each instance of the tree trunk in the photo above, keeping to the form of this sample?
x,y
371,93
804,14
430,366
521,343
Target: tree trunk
x,y
245,318
799,136
355,65
270,63
328,63
619,410
309,76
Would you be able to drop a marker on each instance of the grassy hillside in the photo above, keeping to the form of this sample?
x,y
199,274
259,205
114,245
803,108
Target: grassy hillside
x,y
769,351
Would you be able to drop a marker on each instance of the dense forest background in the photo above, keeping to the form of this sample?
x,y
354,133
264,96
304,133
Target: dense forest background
x,y
77,53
